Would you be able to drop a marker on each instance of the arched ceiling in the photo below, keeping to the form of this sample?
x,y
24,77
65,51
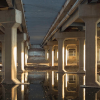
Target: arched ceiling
x,y
40,15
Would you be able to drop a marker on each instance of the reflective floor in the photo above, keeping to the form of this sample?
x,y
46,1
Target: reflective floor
x,y
49,85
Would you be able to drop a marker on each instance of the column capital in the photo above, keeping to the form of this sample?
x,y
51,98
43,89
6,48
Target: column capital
x,y
11,16
92,12
45,47
52,43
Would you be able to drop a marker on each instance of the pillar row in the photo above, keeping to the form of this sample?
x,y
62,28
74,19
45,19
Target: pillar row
x,y
11,20
91,17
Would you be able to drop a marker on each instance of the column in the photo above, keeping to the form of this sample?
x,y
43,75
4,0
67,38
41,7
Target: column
x,y
65,56
46,54
20,54
25,55
91,18
56,53
12,20
51,56
61,55
81,55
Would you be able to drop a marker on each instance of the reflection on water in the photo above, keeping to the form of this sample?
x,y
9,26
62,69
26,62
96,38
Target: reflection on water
x,y
49,85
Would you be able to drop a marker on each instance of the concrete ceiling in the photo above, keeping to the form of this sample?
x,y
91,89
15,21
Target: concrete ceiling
x,y
40,15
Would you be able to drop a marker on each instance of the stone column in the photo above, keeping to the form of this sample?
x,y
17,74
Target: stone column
x,y
51,56
56,55
11,19
91,17
61,55
25,54
20,51
81,55
46,54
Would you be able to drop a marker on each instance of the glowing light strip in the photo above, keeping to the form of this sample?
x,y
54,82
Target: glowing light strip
x,y
53,78
52,58
57,76
66,80
22,60
57,55
66,56
84,57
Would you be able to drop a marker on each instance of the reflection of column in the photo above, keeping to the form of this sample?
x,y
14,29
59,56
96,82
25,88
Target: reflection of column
x,y
9,92
81,55
61,87
22,86
91,19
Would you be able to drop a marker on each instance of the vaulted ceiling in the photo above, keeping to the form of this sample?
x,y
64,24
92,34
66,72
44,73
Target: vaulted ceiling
x,y
40,15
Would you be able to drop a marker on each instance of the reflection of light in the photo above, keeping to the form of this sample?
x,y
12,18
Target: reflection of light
x,y
26,76
14,93
22,78
52,77
57,76
83,93
57,55
84,57
52,58
22,88
66,56
22,60
84,80
47,75
66,80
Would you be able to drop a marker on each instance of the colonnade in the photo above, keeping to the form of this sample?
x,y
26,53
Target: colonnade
x,y
15,46
87,44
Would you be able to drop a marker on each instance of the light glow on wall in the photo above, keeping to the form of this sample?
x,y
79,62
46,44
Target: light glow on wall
x,y
66,56
47,55
84,58
22,60
53,78
66,80
57,54
57,76
26,76
53,58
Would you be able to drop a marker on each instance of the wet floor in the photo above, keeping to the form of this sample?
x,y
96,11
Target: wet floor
x,y
49,85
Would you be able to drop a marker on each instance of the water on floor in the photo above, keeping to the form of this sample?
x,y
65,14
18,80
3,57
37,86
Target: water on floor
x,y
49,85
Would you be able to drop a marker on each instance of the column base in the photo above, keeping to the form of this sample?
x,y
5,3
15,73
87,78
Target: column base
x,y
62,71
80,72
84,86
